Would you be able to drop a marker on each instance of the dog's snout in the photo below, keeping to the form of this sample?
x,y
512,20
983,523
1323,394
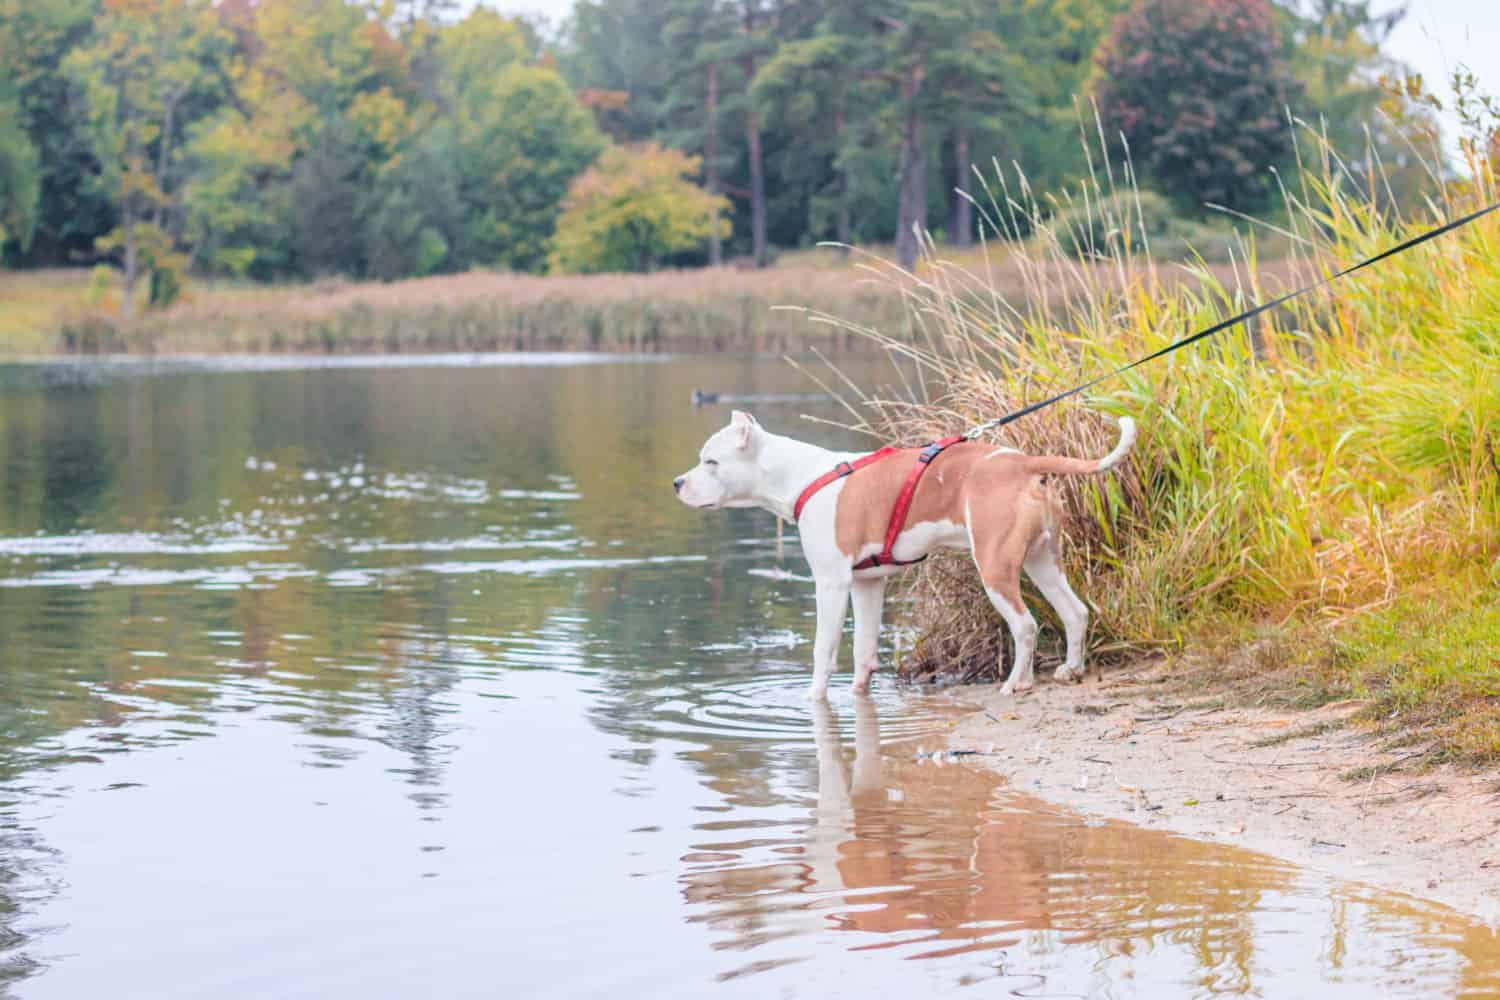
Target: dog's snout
x,y
677,484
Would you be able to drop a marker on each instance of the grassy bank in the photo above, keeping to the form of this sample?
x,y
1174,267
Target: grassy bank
x,y
1322,488
714,310
719,309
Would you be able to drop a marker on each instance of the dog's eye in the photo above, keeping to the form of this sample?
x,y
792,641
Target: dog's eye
x,y
712,463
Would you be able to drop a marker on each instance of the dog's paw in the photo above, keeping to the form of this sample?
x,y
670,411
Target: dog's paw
x,y
1069,675
1016,687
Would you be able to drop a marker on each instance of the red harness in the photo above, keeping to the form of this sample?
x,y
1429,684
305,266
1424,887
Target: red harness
x,y
903,500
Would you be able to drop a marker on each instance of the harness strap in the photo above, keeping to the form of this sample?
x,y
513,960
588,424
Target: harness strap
x,y
903,499
903,507
837,472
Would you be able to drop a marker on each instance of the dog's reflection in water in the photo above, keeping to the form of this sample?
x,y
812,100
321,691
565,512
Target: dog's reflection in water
x,y
842,790
945,860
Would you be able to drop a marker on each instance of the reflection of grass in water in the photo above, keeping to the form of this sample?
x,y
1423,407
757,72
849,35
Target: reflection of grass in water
x,y
1336,459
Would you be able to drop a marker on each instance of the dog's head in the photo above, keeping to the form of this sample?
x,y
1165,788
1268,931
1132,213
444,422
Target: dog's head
x,y
727,472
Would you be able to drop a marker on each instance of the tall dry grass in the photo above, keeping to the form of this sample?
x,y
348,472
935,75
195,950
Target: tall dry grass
x,y
717,309
711,309
1332,460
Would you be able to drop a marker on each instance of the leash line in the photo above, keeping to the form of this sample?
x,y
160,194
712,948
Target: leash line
x,y
1223,325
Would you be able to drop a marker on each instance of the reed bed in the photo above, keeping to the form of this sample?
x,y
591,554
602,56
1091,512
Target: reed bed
x,y
709,310
717,309
1302,489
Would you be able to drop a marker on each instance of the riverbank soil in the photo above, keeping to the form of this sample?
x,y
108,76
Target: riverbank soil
x,y
1160,747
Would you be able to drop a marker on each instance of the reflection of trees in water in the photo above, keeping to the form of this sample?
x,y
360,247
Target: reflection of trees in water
x,y
25,876
169,456
379,662
415,706
691,686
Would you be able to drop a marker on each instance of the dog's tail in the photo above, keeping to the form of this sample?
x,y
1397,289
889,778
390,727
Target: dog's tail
x,y
1057,465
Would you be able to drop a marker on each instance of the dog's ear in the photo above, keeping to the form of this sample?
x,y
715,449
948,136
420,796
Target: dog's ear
x,y
745,425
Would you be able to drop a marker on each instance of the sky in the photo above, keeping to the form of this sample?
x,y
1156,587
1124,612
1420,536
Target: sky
x,y
1436,36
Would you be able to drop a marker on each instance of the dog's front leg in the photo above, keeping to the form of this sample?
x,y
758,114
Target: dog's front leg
x,y
833,602
869,595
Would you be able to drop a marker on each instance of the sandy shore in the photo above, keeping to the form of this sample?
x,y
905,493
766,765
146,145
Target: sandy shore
x,y
1304,786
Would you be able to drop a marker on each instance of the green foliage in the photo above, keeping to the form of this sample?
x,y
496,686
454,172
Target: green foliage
x,y
415,219
1054,43
20,177
631,209
71,209
521,138
282,138
1197,88
622,47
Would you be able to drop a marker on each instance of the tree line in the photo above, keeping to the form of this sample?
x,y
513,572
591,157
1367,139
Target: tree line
x,y
277,139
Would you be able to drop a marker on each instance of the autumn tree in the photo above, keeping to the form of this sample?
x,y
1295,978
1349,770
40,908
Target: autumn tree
x,y
621,47
1199,91
148,72
521,139
635,206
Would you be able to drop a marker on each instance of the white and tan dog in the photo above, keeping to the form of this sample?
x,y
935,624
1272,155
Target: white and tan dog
x,y
992,501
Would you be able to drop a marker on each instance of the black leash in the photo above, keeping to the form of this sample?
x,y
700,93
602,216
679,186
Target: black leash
x,y
1219,327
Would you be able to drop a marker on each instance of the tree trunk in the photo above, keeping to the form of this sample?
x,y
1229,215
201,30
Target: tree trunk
x,y
127,303
752,139
845,233
962,229
715,243
911,198
757,191
643,257
162,160
135,161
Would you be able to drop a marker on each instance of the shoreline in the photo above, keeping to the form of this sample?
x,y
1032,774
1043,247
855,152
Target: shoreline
x,y
1310,787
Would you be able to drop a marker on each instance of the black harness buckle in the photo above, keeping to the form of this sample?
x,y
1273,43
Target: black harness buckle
x,y
931,451
844,469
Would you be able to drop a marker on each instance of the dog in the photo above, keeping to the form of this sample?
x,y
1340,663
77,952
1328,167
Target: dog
x,y
992,501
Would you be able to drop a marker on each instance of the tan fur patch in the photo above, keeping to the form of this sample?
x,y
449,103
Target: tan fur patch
x,y
1004,495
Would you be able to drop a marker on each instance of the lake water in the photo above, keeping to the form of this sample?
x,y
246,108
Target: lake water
x,y
413,680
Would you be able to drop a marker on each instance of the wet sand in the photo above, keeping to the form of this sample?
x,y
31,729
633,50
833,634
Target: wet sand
x,y
1303,786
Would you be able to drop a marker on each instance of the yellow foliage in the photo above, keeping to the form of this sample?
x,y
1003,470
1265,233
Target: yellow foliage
x,y
382,117
634,206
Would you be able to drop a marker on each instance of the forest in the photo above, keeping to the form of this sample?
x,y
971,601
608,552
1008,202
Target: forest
x,y
279,140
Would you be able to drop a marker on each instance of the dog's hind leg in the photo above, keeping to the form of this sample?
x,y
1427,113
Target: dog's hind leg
x,y
1002,582
869,595
1022,626
999,548
1044,566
